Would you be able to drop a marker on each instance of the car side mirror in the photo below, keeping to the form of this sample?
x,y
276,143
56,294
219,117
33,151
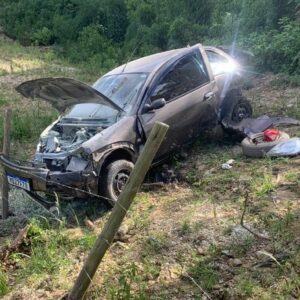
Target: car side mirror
x,y
156,104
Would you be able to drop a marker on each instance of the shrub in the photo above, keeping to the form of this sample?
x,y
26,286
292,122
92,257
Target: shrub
x,y
277,50
43,37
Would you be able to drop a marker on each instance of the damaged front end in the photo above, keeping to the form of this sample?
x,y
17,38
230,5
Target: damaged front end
x,y
35,179
61,166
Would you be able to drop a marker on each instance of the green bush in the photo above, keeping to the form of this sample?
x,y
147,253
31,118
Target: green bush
x,y
277,50
103,33
42,37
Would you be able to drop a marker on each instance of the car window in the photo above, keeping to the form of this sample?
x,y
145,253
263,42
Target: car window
x,y
122,89
219,63
188,74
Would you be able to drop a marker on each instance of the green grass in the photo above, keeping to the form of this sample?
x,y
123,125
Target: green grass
x,y
128,286
240,248
155,244
86,242
185,227
263,186
245,286
3,101
28,125
204,274
3,283
285,80
48,251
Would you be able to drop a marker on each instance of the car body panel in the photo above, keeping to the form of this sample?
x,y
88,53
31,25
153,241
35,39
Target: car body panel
x,y
63,92
224,78
183,115
124,131
187,114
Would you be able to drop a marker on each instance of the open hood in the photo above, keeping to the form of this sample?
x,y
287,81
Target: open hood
x,y
63,92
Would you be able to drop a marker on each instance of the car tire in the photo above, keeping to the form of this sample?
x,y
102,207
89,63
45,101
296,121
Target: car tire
x,y
235,107
114,179
259,150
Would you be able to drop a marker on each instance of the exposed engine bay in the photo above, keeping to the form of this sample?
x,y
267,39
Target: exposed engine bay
x,y
58,145
65,138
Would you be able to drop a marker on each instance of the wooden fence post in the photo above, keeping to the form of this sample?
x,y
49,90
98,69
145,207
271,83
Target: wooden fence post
x,y
6,150
119,211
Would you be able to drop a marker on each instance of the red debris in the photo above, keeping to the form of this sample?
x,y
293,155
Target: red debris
x,y
271,135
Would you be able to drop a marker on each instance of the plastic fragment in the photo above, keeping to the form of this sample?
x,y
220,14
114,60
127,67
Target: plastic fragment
x,y
228,165
290,147
271,135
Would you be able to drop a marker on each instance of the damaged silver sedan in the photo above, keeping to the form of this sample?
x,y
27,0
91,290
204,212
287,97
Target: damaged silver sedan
x,y
92,147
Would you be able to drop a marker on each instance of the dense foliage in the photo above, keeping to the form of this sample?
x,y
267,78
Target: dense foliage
x,y
104,33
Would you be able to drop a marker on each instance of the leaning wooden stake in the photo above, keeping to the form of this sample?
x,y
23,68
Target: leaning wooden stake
x,y
119,211
6,150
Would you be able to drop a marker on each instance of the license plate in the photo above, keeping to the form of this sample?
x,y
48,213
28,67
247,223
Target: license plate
x,y
19,182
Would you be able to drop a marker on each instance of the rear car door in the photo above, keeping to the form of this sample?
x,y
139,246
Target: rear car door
x,y
223,69
190,101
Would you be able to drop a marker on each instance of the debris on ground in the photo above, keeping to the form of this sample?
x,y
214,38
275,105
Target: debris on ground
x,y
256,146
261,136
250,126
289,147
228,165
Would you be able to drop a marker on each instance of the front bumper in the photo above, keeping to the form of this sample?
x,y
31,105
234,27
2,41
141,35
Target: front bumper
x,y
44,180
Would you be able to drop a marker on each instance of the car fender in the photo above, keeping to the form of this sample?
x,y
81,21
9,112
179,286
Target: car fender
x,y
121,150
123,131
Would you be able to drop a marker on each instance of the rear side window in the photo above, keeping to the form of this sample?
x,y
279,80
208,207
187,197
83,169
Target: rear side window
x,y
219,63
186,75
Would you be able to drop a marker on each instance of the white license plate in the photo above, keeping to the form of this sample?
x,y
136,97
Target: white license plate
x,y
18,182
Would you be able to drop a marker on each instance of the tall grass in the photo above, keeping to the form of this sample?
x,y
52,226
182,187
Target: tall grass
x,y
3,284
27,125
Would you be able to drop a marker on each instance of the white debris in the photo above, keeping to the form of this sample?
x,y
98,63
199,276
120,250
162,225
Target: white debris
x,y
228,164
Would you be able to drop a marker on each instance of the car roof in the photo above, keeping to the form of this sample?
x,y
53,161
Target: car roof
x,y
149,63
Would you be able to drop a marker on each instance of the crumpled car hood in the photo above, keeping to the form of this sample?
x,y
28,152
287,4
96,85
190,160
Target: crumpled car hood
x,y
63,92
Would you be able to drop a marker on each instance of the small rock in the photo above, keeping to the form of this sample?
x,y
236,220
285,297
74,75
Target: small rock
x,y
122,234
123,230
201,251
236,262
227,253
240,234
120,245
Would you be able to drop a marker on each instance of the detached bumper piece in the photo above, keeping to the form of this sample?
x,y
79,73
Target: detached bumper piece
x,y
44,180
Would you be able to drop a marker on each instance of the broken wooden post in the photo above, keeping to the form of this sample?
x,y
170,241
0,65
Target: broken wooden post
x,y
119,211
6,150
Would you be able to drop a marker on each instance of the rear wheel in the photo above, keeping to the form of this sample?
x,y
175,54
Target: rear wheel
x,y
235,108
115,177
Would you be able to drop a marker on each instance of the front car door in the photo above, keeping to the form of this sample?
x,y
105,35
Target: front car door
x,y
190,99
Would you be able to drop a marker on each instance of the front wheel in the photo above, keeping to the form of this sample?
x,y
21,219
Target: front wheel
x,y
115,177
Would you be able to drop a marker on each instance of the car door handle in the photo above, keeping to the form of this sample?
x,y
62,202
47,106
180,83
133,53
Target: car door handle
x,y
208,96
